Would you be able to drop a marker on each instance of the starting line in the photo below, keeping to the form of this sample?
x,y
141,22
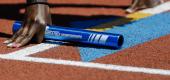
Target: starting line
x,y
89,65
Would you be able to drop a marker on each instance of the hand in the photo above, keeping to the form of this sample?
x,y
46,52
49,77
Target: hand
x,y
37,17
143,4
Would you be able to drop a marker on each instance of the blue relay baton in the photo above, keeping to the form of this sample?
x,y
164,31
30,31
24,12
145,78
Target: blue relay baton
x,y
77,35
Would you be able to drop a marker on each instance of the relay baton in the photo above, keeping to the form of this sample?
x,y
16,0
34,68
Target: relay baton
x,y
60,33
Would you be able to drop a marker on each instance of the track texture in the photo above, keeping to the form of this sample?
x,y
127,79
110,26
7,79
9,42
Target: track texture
x,y
151,54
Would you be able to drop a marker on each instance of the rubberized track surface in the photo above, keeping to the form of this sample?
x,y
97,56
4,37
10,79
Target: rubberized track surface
x,y
144,56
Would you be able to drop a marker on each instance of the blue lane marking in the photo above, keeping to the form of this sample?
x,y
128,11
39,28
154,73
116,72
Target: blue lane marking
x,y
136,32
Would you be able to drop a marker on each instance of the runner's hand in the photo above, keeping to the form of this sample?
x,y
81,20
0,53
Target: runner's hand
x,y
36,18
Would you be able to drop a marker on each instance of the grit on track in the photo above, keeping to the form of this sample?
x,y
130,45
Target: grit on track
x,y
149,60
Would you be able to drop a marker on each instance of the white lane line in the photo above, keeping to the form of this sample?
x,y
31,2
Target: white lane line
x,y
32,50
158,9
19,55
90,65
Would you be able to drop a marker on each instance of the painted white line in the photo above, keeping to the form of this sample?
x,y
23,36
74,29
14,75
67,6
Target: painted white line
x,y
21,54
90,65
158,9
32,50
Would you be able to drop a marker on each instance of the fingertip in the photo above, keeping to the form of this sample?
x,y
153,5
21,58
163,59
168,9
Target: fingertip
x,y
7,41
14,45
10,45
18,45
129,10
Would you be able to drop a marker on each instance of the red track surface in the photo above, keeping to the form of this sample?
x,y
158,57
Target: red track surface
x,y
156,51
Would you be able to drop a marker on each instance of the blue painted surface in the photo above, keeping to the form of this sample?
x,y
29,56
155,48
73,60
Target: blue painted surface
x,y
136,32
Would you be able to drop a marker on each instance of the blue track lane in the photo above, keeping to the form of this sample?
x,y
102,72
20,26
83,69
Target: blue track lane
x,y
136,32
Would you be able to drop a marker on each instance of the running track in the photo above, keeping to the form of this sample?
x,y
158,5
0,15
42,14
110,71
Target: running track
x,y
144,55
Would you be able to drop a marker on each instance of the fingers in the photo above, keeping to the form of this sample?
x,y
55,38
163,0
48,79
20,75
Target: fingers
x,y
133,7
129,10
137,5
23,36
143,4
23,33
13,37
28,37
